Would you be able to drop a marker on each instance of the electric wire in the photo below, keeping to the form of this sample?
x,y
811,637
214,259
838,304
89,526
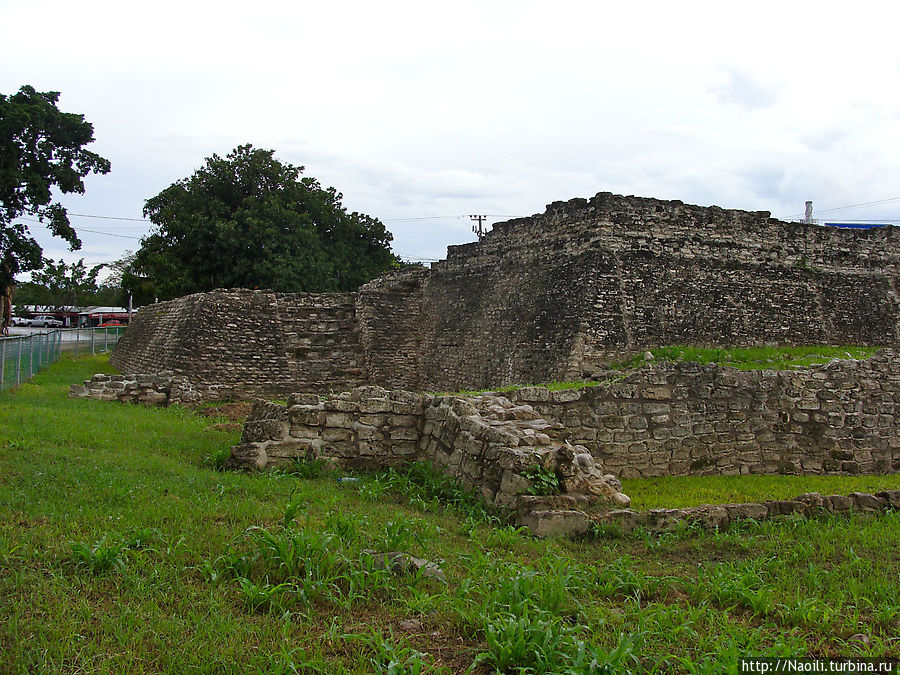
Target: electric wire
x,y
853,206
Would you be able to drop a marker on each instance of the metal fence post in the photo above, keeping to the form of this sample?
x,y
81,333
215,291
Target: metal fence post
x,y
2,361
106,339
92,340
19,363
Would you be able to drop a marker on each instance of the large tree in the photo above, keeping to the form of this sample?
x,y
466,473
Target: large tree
x,y
41,149
249,220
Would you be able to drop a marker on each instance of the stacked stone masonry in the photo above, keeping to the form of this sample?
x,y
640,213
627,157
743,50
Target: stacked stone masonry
x,y
493,443
489,444
713,516
249,342
669,419
553,296
158,390
676,419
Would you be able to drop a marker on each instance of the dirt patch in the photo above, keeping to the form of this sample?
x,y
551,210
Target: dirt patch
x,y
226,426
233,412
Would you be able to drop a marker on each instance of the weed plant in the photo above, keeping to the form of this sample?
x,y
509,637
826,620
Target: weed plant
x,y
543,481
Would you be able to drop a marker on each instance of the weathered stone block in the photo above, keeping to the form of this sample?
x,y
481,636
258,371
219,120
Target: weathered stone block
x,y
302,399
890,497
863,501
308,415
339,421
556,523
839,503
746,511
404,434
364,432
532,394
656,393
336,434
374,405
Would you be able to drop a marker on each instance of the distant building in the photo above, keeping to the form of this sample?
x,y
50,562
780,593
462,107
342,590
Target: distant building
x,y
89,317
857,226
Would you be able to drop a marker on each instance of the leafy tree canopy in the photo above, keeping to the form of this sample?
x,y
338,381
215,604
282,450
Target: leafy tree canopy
x,y
66,285
41,148
249,220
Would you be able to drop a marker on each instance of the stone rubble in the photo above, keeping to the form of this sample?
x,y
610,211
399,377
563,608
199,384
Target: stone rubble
x,y
404,563
488,443
709,516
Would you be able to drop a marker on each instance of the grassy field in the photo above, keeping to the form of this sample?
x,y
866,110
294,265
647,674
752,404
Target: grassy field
x,y
123,550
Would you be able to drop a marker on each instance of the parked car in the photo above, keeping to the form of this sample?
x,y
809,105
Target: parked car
x,y
20,321
45,321
111,324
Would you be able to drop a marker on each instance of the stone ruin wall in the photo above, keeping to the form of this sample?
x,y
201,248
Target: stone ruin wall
x,y
834,419
554,296
557,296
241,343
487,443
669,419
678,419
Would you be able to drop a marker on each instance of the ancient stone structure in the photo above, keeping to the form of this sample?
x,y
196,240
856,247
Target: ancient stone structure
x,y
557,296
667,419
157,390
554,296
676,419
246,343
489,444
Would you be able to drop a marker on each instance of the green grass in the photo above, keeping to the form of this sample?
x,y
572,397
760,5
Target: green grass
x,y
683,491
123,550
756,358
743,358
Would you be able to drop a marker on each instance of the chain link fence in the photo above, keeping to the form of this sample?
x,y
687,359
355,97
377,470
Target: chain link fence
x,y
22,356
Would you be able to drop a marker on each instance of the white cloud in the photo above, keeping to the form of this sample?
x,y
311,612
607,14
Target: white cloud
x,y
744,90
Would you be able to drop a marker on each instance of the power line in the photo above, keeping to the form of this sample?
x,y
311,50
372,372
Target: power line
x,y
86,215
406,256
403,220
108,234
385,220
83,229
854,206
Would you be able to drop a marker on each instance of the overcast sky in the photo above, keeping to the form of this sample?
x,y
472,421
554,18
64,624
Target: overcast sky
x,y
422,113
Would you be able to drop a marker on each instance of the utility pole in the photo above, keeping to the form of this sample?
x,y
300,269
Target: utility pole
x,y
808,220
479,228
